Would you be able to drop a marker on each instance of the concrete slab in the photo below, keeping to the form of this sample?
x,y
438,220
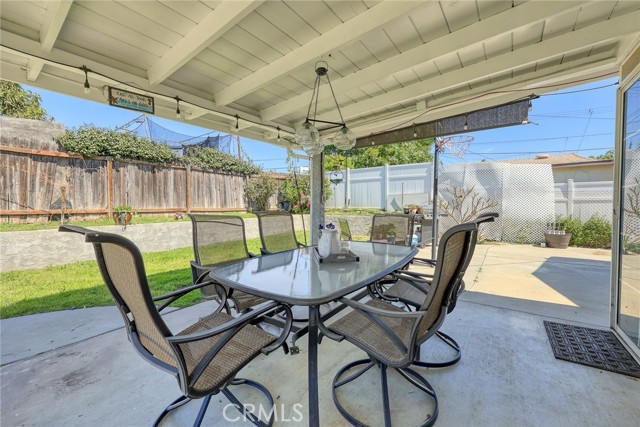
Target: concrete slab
x,y
507,376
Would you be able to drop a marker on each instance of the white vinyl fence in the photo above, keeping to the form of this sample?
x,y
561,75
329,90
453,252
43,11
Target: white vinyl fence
x,y
524,195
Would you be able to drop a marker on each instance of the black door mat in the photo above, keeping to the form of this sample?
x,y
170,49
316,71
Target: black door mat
x,y
592,347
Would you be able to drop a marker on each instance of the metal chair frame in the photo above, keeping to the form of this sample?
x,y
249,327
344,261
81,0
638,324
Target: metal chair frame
x,y
138,302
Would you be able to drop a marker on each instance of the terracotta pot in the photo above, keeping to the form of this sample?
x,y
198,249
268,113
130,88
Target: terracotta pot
x,y
122,218
558,241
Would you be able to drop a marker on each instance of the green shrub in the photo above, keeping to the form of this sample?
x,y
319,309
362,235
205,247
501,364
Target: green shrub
x,y
211,159
570,225
297,189
259,189
596,233
92,141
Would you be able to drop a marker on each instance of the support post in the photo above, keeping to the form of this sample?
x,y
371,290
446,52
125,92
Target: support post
x,y
434,229
110,187
571,194
385,185
188,189
317,196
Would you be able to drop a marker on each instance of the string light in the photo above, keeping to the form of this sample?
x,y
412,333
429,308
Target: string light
x,y
278,133
415,132
237,119
466,125
87,86
178,115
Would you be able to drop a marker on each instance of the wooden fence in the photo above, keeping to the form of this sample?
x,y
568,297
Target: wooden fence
x,y
36,183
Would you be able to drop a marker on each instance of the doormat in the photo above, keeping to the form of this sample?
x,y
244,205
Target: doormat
x,y
591,347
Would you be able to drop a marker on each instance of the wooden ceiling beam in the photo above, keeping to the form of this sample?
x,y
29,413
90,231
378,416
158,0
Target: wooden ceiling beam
x,y
523,15
219,21
341,35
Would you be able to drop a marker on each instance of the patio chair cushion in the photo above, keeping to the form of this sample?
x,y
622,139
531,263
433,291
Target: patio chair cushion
x,y
359,329
236,353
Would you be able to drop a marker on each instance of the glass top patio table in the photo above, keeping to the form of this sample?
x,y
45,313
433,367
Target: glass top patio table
x,y
296,277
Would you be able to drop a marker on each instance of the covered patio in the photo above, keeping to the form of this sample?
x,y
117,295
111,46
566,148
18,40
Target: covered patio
x,y
399,70
90,374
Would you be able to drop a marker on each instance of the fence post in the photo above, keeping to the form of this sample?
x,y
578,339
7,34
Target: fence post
x,y
188,188
347,188
570,197
110,187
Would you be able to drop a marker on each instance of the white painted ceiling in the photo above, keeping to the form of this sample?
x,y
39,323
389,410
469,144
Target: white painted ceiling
x,y
392,63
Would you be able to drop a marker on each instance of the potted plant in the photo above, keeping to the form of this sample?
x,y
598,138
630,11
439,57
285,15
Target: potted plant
x,y
557,237
386,232
122,214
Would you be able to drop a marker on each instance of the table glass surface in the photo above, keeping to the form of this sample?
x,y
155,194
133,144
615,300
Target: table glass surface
x,y
297,277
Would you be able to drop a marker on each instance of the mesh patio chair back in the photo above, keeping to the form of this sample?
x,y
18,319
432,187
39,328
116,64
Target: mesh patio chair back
x,y
217,240
395,229
345,231
203,359
391,337
277,232
454,253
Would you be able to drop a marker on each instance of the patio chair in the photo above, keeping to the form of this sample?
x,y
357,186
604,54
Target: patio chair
x,y
277,232
391,336
217,240
411,288
345,231
206,356
394,229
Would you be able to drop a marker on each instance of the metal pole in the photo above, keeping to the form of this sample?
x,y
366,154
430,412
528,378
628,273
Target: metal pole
x,y
434,224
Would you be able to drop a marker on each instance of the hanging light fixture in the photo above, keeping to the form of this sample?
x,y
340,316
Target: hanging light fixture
x,y
178,114
87,86
308,137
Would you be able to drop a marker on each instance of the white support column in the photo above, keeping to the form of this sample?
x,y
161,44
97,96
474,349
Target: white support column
x,y
317,196
385,186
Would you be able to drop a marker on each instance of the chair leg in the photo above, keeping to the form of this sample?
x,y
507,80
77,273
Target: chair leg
x,y
410,375
174,405
451,343
241,407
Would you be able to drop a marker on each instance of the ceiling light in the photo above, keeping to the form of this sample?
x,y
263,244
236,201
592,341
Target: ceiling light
x,y
87,86
307,136
178,115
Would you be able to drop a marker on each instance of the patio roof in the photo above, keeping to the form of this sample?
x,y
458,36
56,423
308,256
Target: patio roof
x,y
392,64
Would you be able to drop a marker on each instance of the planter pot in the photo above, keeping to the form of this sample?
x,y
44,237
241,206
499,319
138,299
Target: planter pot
x,y
122,218
284,206
559,241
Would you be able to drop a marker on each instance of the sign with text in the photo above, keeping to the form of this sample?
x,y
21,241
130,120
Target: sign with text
x,y
131,101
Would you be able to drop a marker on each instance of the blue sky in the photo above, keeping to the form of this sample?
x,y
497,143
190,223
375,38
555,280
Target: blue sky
x,y
580,120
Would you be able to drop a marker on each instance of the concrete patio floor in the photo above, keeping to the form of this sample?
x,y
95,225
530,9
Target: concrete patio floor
x,y
77,368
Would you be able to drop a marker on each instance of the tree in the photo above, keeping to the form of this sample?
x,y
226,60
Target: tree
x,y
20,103
419,151
606,156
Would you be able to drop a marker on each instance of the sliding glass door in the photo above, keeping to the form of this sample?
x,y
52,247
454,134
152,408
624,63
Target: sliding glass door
x,y
627,313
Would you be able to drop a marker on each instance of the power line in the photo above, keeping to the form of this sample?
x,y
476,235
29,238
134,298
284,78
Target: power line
x,y
540,152
542,139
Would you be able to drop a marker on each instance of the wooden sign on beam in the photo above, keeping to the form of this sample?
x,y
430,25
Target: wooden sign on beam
x,y
131,101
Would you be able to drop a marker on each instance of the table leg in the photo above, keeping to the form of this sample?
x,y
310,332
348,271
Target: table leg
x,y
314,416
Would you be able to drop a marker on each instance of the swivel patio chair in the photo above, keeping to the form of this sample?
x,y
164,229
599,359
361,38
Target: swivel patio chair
x,y
217,240
345,231
394,229
412,288
205,357
277,232
391,336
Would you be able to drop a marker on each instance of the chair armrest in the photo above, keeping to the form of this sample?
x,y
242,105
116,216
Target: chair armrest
x,y
416,315
252,255
237,323
428,261
285,332
413,276
179,293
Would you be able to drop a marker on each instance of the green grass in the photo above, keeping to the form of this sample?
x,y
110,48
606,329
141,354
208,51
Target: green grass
x,y
80,284
147,219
